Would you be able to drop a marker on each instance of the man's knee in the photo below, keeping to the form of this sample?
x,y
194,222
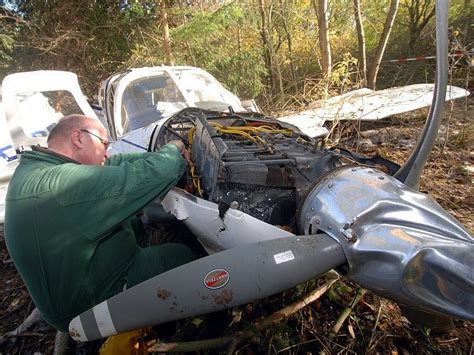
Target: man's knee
x,y
176,254
156,259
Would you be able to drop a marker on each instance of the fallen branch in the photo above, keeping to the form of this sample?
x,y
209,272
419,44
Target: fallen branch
x,y
30,334
238,337
346,312
189,346
31,320
63,344
295,307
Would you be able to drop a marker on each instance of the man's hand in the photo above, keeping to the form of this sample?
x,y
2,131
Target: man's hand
x,y
182,149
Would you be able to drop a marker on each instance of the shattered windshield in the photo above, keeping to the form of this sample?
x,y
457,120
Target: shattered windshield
x,y
205,91
149,99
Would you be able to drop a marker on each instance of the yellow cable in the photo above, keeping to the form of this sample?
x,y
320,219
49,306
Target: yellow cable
x,y
191,135
195,178
249,132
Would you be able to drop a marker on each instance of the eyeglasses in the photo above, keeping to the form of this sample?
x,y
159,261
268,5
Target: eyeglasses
x,y
103,141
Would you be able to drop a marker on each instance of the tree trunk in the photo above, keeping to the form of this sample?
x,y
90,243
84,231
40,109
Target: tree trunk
x,y
191,54
419,15
281,90
273,66
321,7
361,41
166,34
375,65
266,45
291,65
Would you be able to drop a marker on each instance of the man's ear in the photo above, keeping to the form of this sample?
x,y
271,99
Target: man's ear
x,y
77,139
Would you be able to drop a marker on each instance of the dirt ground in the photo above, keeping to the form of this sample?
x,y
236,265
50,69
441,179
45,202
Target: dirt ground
x,y
376,325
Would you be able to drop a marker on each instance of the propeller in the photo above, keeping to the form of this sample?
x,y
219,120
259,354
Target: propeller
x,y
215,282
411,171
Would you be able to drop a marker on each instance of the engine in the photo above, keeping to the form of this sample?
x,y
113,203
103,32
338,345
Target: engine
x,y
256,164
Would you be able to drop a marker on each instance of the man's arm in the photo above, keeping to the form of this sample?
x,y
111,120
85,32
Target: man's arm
x,y
118,159
105,196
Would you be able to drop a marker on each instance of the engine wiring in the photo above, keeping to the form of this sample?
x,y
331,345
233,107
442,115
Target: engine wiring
x,y
195,179
252,132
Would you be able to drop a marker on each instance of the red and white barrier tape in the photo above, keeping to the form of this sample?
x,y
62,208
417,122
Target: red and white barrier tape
x,y
419,59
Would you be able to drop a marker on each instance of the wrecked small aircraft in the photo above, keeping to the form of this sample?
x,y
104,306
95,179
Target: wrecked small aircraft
x,y
274,207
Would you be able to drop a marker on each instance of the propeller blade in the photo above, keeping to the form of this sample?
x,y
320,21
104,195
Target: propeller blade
x,y
215,282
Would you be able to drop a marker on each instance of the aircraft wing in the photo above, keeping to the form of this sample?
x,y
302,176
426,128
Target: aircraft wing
x,y
367,105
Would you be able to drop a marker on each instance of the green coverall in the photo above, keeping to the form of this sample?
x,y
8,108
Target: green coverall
x,y
68,227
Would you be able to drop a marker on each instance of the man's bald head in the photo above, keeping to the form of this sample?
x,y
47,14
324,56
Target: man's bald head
x,y
81,138
63,129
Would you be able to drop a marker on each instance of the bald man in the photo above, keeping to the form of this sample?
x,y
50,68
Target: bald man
x,y
69,224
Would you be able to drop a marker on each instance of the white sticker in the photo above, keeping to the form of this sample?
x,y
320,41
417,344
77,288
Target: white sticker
x,y
284,257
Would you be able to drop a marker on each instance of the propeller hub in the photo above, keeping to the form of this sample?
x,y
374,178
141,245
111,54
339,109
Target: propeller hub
x,y
398,242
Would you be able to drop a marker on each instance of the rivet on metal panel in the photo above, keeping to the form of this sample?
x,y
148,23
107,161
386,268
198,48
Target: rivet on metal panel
x,y
314,220
353,169
330,185
329,227
312,208
381,177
